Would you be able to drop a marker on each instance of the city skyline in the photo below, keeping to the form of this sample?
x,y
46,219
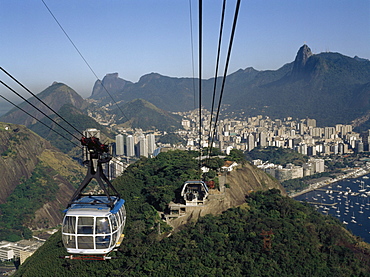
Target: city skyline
x,y
134,38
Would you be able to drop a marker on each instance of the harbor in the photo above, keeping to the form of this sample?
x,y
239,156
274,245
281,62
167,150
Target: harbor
x,y
347,199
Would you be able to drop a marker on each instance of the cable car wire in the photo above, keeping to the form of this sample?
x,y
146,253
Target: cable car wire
x,y
192,49
8,87
15,105
19,83
216,73
200,82
83,58
226,67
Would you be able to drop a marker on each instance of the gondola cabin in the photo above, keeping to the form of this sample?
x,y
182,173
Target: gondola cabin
x,y
93,227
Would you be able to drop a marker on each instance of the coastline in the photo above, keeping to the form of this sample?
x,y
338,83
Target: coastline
x,y
353,174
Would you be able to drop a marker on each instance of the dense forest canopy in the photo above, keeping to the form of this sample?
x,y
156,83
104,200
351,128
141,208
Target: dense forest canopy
x,y
303,241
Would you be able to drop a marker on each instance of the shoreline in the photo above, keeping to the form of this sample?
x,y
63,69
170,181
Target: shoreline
x,y
354,174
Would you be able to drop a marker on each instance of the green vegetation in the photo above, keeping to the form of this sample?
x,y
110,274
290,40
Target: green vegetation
x,y
76,118
277,155
237,156
21,205
304,243
157,181
172,139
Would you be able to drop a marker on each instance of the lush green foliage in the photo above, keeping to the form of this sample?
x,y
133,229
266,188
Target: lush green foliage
x,y
21,205
236,156
277,155
304,243
159,179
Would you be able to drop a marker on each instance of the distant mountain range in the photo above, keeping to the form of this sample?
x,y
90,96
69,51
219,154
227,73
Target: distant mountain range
x,y
329,87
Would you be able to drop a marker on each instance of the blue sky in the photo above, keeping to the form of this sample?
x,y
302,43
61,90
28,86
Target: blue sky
x,y
138,37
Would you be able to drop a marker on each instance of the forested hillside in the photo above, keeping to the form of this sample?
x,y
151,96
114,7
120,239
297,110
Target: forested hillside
x,y
303,241
37,181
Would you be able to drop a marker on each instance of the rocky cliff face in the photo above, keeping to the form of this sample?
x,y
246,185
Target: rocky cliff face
x,y
301,58
20,151
110,82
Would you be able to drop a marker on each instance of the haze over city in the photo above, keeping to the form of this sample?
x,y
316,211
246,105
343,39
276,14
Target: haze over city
x,y
134,38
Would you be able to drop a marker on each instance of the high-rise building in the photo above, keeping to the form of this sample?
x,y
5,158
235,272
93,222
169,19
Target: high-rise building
x,y
151,143
120,146
143,146
130,146
318,165
250,142
311,150
262,139
329,132
359,146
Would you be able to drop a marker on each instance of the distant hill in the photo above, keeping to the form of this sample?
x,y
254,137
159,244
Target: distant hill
x,y
77,118
68,104
329,87
83,114
55,96
37,181
141,114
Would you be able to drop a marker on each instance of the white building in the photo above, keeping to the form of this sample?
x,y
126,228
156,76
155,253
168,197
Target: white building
x,y
143,146
120,146
130,146
151,143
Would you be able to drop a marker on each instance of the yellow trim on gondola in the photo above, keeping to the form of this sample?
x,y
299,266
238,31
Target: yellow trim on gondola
x,y
120,240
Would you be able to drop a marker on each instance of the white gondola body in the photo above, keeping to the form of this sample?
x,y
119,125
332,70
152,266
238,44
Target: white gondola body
x,y
95,228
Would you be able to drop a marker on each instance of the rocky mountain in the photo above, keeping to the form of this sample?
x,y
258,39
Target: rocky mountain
x,y
111,83
170,94
37,180
55,96
329,87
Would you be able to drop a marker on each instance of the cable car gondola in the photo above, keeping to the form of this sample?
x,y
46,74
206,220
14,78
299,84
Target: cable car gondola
x,y
93,224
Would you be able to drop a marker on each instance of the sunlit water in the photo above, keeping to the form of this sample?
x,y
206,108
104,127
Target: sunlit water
x,y
348,200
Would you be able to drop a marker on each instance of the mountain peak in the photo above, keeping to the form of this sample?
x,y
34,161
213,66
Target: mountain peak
x,y
110,82
301,58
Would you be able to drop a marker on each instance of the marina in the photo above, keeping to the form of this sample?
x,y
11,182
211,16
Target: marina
x,y
348,200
